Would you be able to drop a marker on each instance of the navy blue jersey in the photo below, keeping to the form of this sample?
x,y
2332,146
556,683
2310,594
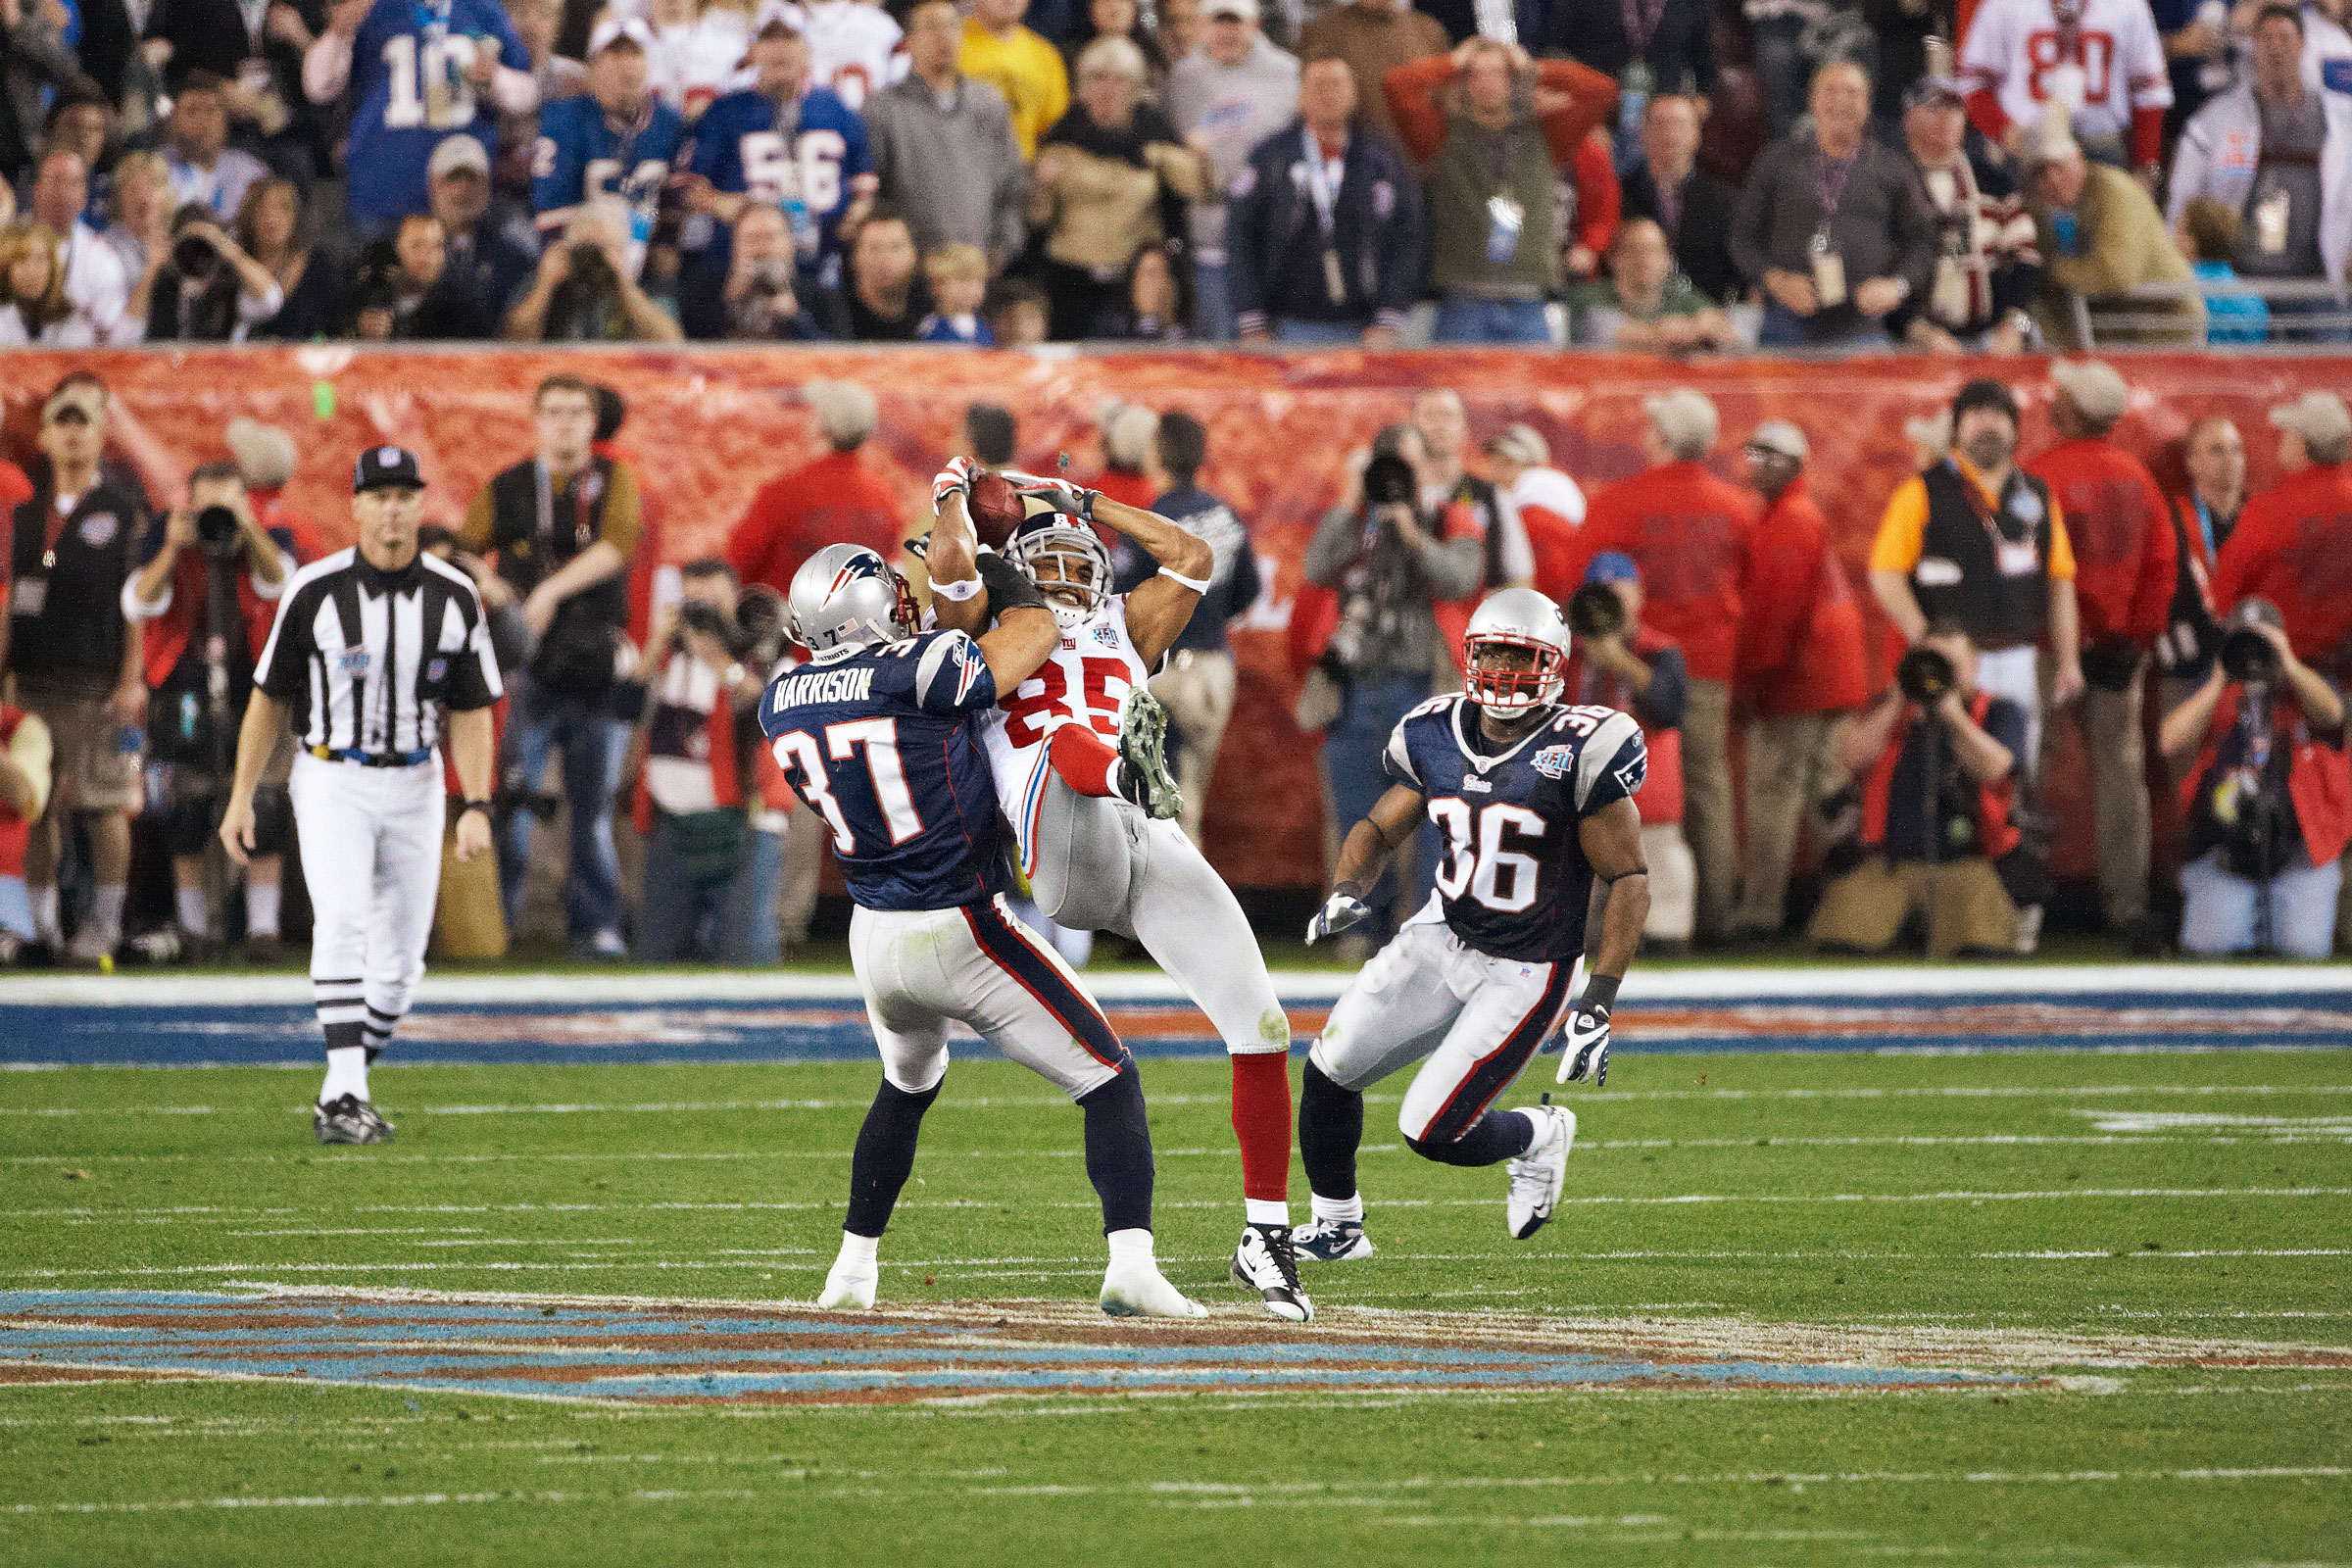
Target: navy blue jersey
x,y
880,742
409,71
815,158
580,156
1516,883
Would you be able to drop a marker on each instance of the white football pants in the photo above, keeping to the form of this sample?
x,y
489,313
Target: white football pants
x,y
372,858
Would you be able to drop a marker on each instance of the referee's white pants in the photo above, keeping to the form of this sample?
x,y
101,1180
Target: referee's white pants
x,y
372,858
977,965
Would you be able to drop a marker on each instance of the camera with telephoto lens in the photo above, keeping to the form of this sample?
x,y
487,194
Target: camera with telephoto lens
x,y
1389,481
760,615
2247,656
1595,613
217,530
194,259
700,615
1925,674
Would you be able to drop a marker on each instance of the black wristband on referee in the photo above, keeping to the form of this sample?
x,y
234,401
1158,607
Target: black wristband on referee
x,y
1601,993
1008,587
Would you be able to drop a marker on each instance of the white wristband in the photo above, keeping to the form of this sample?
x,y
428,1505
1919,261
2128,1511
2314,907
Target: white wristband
x,y
955,593
1198,585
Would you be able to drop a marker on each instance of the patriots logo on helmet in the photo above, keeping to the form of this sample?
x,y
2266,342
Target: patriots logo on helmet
x,y
1553,761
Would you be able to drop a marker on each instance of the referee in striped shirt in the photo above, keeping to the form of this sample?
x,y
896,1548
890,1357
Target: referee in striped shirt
x,y
372,644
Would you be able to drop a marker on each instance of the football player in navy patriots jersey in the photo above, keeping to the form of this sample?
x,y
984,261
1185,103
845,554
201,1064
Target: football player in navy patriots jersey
x,y
877,732
1535,801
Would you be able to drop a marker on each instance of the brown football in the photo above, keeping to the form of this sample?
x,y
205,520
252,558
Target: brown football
x,y
997,510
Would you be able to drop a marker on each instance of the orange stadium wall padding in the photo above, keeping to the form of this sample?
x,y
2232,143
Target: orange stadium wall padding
x,y
707,425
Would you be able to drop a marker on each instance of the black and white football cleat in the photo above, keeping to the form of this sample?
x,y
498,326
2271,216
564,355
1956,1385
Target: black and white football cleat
x,y
1331,1241
349,1119
1144,776
1266,1262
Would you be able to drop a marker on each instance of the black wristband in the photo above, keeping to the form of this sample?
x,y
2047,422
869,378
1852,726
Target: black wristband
x,y
1601,993
482,807
1008,587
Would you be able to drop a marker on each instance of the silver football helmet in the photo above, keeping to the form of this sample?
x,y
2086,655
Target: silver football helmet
x,y
1523,619
847,595
1080,563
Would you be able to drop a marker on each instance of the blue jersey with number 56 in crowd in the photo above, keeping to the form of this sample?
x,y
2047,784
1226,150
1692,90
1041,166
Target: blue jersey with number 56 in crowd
x,y
1514,883
879,742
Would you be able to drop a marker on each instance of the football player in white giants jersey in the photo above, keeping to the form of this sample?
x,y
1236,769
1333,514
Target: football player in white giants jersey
x,y
1535,801
1076,754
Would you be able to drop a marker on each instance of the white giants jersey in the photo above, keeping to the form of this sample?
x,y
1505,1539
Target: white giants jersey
x,y
1084,683
854,47
2115,62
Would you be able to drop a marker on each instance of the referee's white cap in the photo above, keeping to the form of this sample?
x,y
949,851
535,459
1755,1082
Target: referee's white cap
x,y
386,469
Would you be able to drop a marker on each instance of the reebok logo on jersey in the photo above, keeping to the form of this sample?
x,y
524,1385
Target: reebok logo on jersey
x,y
1553,761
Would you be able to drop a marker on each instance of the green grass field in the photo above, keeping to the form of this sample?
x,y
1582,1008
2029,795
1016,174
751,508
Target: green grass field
x,y
2191,1211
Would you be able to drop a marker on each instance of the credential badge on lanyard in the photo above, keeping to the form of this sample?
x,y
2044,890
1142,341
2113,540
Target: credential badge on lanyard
x,y
1325,192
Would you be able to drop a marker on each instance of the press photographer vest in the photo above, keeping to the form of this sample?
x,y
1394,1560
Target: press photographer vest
x,y
1962,571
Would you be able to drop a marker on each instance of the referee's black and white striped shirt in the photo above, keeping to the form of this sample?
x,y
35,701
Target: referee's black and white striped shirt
x,y
360,658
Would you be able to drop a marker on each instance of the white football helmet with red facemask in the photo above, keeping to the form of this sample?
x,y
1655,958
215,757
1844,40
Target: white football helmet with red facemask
x,y
1523,621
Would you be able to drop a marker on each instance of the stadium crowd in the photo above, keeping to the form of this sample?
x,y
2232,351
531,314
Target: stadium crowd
x,y
2033,593
1664,176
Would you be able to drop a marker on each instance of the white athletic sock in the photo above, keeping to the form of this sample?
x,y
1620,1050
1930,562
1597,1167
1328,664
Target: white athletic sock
x,y
1134,1243
856,1249
261,911
1341,1210
1266,1211
346,1073
44,915
106,911
195,916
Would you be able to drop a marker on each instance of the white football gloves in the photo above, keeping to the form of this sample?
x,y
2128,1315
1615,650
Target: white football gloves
x,y
1074,499
1340,912
1585,1059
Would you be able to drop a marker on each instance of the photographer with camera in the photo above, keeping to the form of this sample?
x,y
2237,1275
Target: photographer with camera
x,y
563,526
208,289
1392,562
585,291
757,302
2269,796
1616,662
697,746
1937,761
206,593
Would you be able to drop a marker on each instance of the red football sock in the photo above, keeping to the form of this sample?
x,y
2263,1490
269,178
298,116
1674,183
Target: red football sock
x,y
1261,1123
1083,759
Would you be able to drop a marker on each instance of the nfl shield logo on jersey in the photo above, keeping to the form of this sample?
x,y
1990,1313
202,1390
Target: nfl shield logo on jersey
x,y
1553,761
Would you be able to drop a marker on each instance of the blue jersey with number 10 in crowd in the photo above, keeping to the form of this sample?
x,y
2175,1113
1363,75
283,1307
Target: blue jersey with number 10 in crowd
x,y
410,70
879,742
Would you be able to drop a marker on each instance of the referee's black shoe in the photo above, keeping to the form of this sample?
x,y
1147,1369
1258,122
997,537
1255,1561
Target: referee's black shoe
x,y
348,1120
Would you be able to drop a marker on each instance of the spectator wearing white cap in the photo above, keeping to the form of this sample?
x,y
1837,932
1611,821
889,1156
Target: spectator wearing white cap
x,y
491,248
1226,97
1550,506
2125,564
615,141
2100,236
1801,669
1691,536
2277,151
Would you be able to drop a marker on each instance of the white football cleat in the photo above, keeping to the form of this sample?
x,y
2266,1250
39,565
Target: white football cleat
x,y
1136,1287
851,1286
1537,1175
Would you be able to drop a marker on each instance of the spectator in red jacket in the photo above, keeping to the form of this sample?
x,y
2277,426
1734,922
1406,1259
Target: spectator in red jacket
x,y
2294,543
835,500
1637,670
1800,665
1690,534
2125,565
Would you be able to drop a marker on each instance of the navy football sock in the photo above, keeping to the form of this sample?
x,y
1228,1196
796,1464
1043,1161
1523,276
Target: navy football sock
x,y
1331,1128
1118,1151
885,1155
1496,1137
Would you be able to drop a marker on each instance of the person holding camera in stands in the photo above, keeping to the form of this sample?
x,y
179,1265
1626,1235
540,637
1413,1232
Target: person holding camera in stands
x,y
75,665
702,729
2267,791
563,526
585,292
1935,762
1393,563
1616,662
208,289
205,597
2125,565
757,304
